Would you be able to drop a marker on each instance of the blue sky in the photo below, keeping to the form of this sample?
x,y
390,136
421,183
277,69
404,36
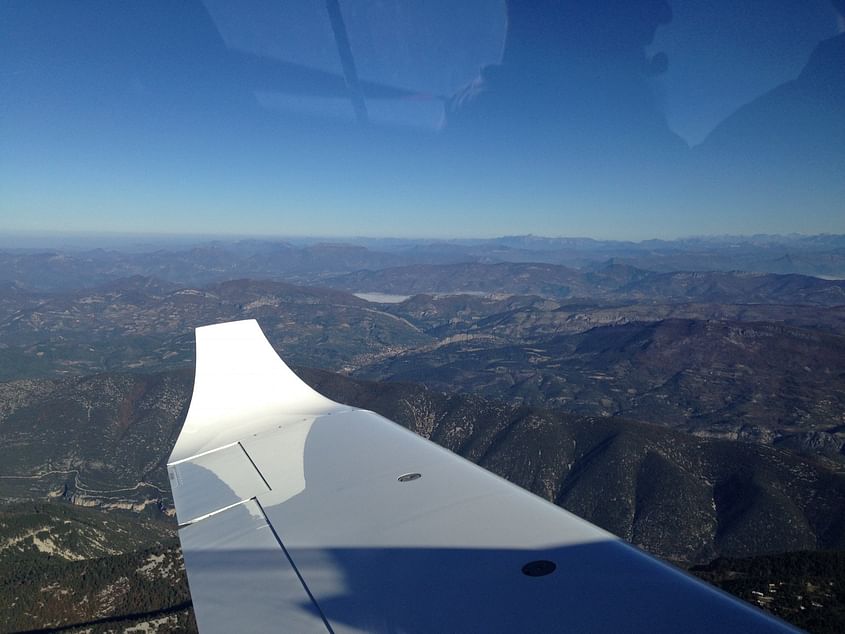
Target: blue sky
x,y
176,118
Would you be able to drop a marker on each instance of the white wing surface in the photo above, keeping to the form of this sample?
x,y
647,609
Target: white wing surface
x,y
298,514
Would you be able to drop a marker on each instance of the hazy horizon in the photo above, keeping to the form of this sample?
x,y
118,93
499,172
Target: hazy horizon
x,y
11,240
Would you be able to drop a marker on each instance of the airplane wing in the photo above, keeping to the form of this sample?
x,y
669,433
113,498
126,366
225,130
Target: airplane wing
x,y
300,514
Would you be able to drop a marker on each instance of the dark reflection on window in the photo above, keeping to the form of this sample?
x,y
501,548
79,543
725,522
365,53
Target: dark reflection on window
x,y
550,110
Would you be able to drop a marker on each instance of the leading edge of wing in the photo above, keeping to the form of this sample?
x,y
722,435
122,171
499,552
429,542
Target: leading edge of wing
x,y
297,511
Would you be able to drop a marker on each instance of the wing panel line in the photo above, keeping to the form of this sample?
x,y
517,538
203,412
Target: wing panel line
x,y
295,569
257,470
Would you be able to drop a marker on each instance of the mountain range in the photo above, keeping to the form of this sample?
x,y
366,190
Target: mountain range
x,y
697,414
311,261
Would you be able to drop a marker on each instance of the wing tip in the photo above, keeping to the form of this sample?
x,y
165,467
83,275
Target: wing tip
x,y
241,386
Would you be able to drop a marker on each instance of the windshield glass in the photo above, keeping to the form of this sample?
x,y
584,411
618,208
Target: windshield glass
x,y
596,247
624,120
